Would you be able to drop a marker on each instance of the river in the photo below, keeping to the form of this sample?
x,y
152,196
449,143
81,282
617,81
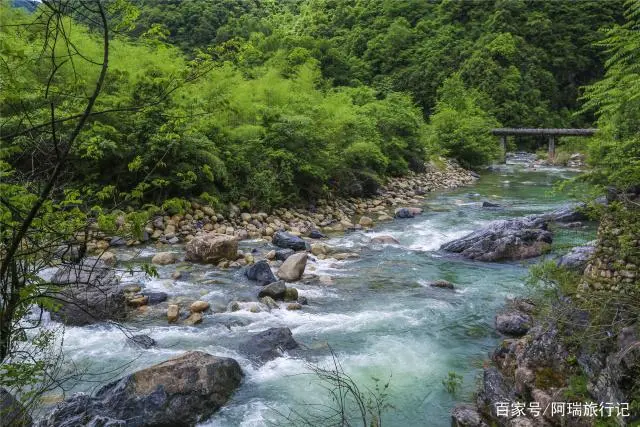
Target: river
x,y
377,313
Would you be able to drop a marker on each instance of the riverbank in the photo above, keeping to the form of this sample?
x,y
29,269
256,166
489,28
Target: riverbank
x,y
326,216
571,356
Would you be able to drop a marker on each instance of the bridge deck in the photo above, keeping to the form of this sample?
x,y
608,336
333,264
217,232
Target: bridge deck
x,y
543,131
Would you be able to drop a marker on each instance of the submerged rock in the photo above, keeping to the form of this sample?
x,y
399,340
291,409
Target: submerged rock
x,y
486,204
286,240
385,239
144,341
570,213
154,298
89,292
269,344
261,273
212,248
511,239
445,284
179,392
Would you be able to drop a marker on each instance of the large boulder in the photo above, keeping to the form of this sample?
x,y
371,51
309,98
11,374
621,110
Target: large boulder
x,y
269,344
12,413
261,273
511,239
577,258
212,248
88,292
293,268
178,392
286,240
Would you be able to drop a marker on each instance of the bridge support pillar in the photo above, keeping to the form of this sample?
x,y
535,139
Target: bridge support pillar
x,y
503,147
552,147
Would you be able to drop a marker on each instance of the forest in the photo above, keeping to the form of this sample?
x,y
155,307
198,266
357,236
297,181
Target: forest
x,y
343,132
274,103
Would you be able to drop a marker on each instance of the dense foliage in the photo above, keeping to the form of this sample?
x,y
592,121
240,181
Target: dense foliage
x,y
293,100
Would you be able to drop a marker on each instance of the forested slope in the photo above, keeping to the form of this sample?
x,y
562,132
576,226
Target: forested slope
x,y
272,103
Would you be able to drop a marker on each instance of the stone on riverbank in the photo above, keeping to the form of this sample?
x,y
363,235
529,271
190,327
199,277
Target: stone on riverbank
x,y
286,240
293,268
178,392
90,292
269,344
511,239
212,248
261,273
466,416
283,254
513,323
577,258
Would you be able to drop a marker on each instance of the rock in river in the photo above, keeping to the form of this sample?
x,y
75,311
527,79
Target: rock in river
x,y
283,254
261,273
275,290
164,258
89,292
178,392
510,239
269,344
466,416
286,240
293,268
212,248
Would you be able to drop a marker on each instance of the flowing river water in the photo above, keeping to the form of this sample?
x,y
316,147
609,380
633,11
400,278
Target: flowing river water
x,y
376,312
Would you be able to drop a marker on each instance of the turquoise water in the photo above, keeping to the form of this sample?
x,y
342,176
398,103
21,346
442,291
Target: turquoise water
x,y
378,314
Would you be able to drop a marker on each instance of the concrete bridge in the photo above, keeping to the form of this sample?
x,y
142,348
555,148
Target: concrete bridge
x,y
552,134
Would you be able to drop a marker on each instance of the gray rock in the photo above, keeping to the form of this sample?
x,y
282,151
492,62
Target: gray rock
x,y
155,297
577,258
286,240
117,241
269,344
275,290
513,323
494,390
570,213
88,292
261,273
177,392
466,416
12,413
511,239
486,204
404,213
283,254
